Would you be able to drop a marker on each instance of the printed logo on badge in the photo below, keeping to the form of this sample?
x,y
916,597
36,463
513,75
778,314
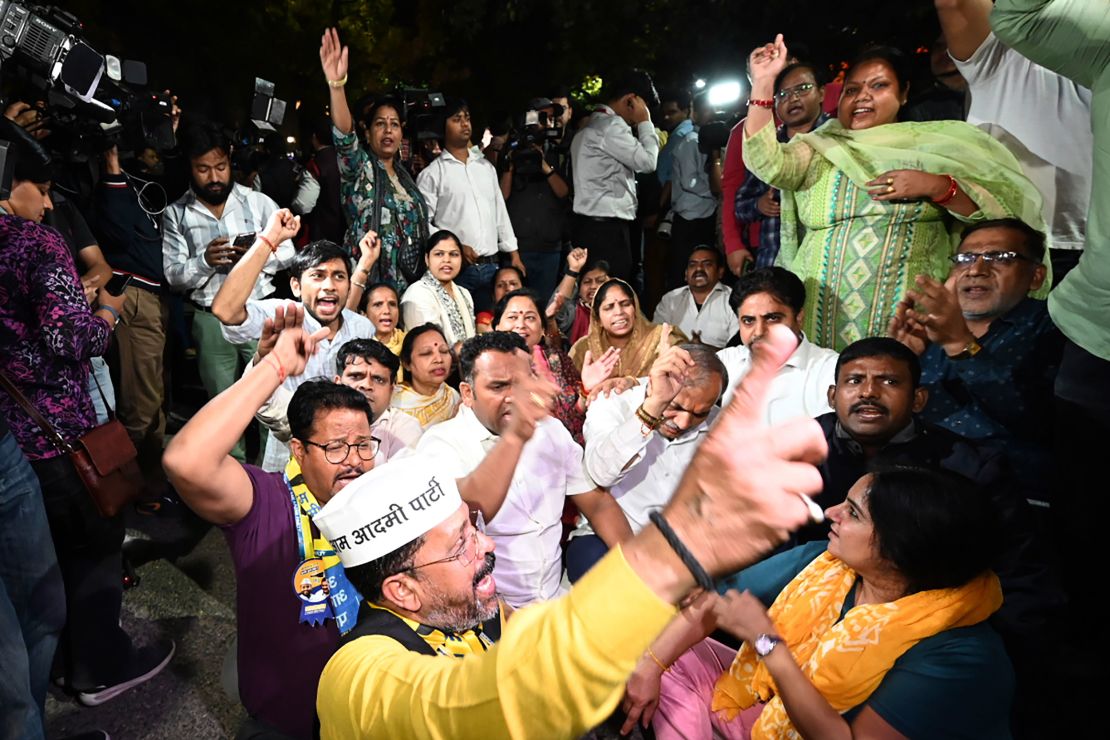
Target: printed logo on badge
x,y
310,583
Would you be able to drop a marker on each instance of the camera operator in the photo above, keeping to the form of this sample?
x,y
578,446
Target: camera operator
x,y
199,248
283,179
49,333
695,187
536,194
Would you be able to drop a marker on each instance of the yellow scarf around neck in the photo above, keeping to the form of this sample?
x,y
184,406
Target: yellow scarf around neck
x,y
846,661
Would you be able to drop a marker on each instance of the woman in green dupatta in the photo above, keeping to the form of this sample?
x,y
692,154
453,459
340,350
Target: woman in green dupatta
x,y
868,203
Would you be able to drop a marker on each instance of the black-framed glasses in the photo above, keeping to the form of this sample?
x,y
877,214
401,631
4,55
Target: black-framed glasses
x,y
336,452
967,259
796,91
467,555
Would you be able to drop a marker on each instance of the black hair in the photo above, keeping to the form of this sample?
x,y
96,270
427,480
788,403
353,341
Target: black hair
x,y
382,101
369,577
437,237
785,286
936,527
367,349
818,73
879,347
411,337
708,248
513,268
677,95
605,287
321,129
451,107
493,341
315,254
701,101
894,59
375,286
706,363
202,137
502,304
635,81
1034,239
315,396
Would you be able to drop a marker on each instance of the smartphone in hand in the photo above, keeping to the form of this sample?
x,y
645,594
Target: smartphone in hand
x,y
118,284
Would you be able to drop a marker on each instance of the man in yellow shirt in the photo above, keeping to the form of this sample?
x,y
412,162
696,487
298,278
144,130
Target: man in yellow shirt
x,y
559,667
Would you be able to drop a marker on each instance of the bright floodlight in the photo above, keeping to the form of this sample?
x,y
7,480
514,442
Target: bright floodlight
x,y
290,140
724,93
699,84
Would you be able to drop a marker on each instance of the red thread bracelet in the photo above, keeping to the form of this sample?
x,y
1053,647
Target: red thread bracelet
x,y
761,103
277,366
268,243
953,188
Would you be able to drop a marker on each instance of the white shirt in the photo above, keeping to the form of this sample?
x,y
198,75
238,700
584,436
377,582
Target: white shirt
x,y
527,527
691,197
420,304
642,472
1045,119
320,366
605,158
801,387
466,198
189,227
716,321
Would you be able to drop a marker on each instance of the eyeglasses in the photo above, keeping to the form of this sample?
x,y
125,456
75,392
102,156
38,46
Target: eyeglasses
x,y
796,91
967,259
336,452
467,555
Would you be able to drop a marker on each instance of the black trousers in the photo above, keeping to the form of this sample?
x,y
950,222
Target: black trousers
x,y
685,236
605,239
93,650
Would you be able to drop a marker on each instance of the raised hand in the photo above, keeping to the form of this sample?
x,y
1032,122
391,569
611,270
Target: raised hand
x,y
667,374
576,259
532,401
936,309
333,56
768,60
289,316
294,348
369,248
906,330
595,371
281,226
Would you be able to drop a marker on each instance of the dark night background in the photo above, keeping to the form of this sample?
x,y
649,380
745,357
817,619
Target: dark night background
x,y
495,53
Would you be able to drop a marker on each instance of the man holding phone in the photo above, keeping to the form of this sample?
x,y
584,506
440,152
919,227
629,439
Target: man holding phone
x,y
199,250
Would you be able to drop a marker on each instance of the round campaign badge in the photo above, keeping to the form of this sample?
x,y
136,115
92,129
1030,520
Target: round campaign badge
x,y
310,583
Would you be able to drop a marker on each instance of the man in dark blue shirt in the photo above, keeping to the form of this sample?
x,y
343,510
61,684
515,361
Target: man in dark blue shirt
x,y
989,353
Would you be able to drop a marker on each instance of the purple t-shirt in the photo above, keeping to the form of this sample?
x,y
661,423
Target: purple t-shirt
x,y
280,659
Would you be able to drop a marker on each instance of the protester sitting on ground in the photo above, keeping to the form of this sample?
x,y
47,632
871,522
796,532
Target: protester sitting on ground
x,y
366,365
989,353
320,279
616,322
383,308
700,309
436,297
870,223
424,394
870,634
761,299
640,441
543,679
575,293
49,332
520,313
378,193
542,468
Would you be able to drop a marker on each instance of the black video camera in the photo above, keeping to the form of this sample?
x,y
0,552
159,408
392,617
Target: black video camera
x,y
536,127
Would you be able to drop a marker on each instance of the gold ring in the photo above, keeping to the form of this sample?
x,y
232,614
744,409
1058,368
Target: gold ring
x,y
538,399
890,181
890,188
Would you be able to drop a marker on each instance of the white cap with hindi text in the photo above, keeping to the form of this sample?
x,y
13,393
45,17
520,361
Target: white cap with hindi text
x,y
388,507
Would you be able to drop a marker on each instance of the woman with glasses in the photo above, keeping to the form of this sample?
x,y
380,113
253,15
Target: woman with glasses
x,y
867,202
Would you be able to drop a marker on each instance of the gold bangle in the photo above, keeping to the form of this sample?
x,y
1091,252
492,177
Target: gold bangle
x,y
357,284
338,83
661,664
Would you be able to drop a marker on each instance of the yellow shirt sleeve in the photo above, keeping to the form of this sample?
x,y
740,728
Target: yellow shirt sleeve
x,y
783,166
558,670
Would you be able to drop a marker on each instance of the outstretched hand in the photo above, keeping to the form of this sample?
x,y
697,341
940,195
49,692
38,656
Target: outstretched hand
x,y
289,316
533,397
765,62
596,371
333,56
294,345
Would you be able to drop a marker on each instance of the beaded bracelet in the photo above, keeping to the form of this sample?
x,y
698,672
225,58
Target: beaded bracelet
x,y
761,103
654,422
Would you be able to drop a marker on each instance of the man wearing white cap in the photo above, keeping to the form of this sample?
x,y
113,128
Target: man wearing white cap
x,y
559,667
524,519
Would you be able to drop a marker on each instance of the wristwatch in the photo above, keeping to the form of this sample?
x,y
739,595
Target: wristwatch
x,y
970,349
765,643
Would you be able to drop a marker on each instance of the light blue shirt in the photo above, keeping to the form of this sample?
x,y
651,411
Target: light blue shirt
x,y
663,167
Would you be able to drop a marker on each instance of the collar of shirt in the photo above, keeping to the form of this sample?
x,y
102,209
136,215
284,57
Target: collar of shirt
x,y
473,428
1028,311
684,128
718,288
907,434
236,200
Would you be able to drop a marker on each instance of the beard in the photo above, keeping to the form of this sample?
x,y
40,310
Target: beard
x,y
213,194
452,614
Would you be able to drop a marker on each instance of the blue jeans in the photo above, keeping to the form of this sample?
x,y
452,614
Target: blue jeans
x,y
543,272
582,554
32,601
478,279
101,375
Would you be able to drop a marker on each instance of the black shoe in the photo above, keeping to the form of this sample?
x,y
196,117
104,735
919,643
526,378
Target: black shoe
x,y
147,663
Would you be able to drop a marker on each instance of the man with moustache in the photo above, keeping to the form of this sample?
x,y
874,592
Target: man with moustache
x,y
799,90
198,249
544,467
989,353
763,298
320,278
701,307
463,194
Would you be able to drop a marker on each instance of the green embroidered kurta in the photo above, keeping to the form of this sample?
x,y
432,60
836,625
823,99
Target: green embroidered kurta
x,y
857,256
